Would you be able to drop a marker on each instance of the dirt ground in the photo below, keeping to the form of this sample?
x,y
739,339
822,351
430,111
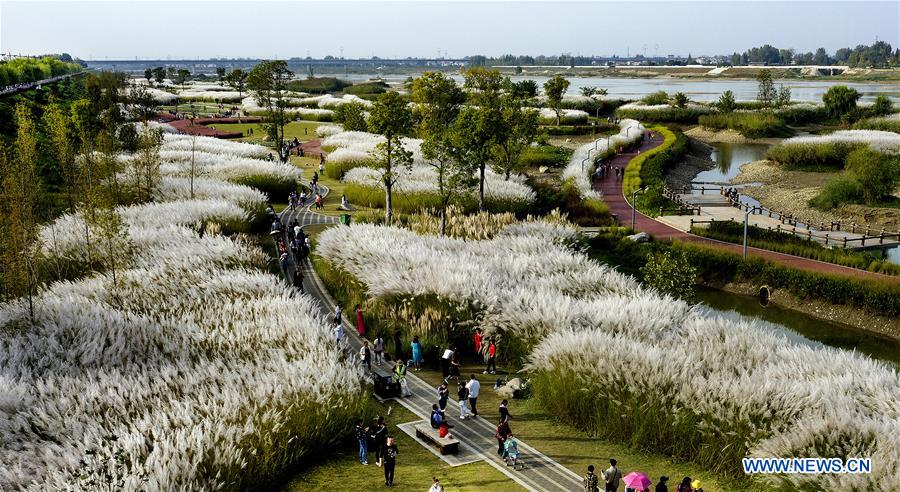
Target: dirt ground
x,y
789,191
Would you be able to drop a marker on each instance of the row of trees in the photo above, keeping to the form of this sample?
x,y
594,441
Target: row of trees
x,y
81,139
879,54
24,70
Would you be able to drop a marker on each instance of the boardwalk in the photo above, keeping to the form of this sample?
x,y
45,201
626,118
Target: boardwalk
x,y
618,205
475,435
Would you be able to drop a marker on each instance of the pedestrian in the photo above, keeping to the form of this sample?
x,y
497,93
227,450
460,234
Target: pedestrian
x,y
474,387
298,280
400,377
360,322
696,486
338,330
591,481
379,439
661,486
684,486
478,339
321,168
436,485
443,395
491,365
337,313
436,416
285,263
612,476
454,364
378,348
462,394
365,355
319,205
445,363
416,353
390,461
362,436
398,345
504,410
501,434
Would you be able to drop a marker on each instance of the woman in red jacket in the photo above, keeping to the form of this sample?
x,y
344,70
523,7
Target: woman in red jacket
x,y
360,322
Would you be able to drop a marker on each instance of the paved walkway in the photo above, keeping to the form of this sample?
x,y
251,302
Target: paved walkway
x,y
476,436
618,205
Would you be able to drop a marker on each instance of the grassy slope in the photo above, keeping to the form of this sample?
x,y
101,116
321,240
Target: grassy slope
x,y
303,130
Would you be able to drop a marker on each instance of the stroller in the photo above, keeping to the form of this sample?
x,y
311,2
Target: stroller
x,y
511,453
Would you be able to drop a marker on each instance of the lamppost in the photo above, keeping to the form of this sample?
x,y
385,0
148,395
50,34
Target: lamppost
x,y
747,212
634,205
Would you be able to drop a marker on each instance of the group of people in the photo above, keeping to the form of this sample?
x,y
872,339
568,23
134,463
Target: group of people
x,y
384,445
611,478
732,193
605,170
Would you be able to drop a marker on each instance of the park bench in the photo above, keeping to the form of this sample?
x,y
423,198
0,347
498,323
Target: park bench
x,y
447,445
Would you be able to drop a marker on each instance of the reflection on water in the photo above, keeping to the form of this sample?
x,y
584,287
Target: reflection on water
x,y
729,158
831,334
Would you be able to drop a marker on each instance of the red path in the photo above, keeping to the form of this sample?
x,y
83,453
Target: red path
x,y
200,126
612,195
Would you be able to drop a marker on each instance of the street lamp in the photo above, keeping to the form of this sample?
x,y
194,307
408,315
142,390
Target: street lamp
x,y
747,213
634,205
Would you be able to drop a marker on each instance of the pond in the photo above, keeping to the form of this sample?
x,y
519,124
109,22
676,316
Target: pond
x,y
828,333
729,157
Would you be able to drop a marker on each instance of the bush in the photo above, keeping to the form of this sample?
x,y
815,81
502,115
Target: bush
x,y
276,189
883,124
656,98
800,114
566,197
317,85
840,100
409,203
646,169
671,273
670,114
568,129
366,88
352,116
839,191
546,155
750,125
876,173
825,156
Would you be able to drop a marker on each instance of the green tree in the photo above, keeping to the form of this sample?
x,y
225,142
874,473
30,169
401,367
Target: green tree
x,y
655,99
518,130
588,91
523,89
882,106
141,102
726,102
479,124
220,73
237,80
148,74
392,118
554,89
840,100
438,101
182,76
352,116
670,273
145,163
268,80
765,93
57,123
159,74
878,173
784,96
18,203
680,100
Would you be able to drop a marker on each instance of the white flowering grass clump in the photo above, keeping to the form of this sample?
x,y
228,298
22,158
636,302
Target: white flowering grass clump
x,y
161,96
213,145
250,106
205,94
630,131
881,141
323,131
224,166
566,116
657,372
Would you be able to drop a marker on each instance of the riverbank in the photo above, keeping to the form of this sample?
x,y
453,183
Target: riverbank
x,y
790,192
697,160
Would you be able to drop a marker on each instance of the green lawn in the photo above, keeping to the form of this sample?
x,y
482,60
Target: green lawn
x,y
303,130
341,471
309,165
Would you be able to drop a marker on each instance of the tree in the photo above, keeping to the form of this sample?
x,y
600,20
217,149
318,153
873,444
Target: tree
x,y
19,190
882,106
554,90
352,116
726,102
878,173
220,72
670,273
766,89
478,125
237,80
145,163
519,127
588,91
148,74
141,102
159,73
181,77
171,72
523,89
268,80
438,101
57,123
821,57
840,100
680,100
656,98
391,118
784,96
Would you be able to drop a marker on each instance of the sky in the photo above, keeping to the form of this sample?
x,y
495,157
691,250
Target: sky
x,y
232,29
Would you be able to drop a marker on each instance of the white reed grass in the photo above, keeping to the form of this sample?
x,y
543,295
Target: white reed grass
x,y
630,131
882,141
213,146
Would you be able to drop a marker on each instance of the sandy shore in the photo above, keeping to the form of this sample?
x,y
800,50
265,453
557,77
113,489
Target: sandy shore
x,y
790,191
726,136
695,161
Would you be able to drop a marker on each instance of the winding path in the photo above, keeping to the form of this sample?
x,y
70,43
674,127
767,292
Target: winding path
x,y
618,205
475,434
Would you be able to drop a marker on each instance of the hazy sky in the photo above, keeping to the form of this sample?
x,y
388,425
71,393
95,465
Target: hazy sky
x,y
117,30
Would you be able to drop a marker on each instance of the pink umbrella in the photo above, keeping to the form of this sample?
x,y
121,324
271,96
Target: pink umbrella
x,y
637,480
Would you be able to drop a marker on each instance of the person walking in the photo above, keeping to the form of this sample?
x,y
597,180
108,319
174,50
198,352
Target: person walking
x,y
445,363
436,485
365,355
337,313
416,353
443,395
462,394
479,337
360,322
612,476
298,280
454,364
474,387
591,481
338,330
378,348
390,461
379,440
504,410
684,486
501,434
362,436
491,365
661,486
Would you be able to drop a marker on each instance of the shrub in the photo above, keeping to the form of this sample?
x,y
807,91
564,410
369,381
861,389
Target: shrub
x,y
840,190
881,124
840,100
671,273
656,98
882,106
876,173
366,89
646,169
546,155
825,156
750,125
352,116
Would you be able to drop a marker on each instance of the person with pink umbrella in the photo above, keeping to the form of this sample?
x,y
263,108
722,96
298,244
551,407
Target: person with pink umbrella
x,y
636,481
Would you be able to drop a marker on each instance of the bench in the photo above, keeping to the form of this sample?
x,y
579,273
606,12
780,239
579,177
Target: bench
x,y
447,445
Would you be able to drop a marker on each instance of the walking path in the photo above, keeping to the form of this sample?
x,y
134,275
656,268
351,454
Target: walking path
x,y
618,205
476,436
17,88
